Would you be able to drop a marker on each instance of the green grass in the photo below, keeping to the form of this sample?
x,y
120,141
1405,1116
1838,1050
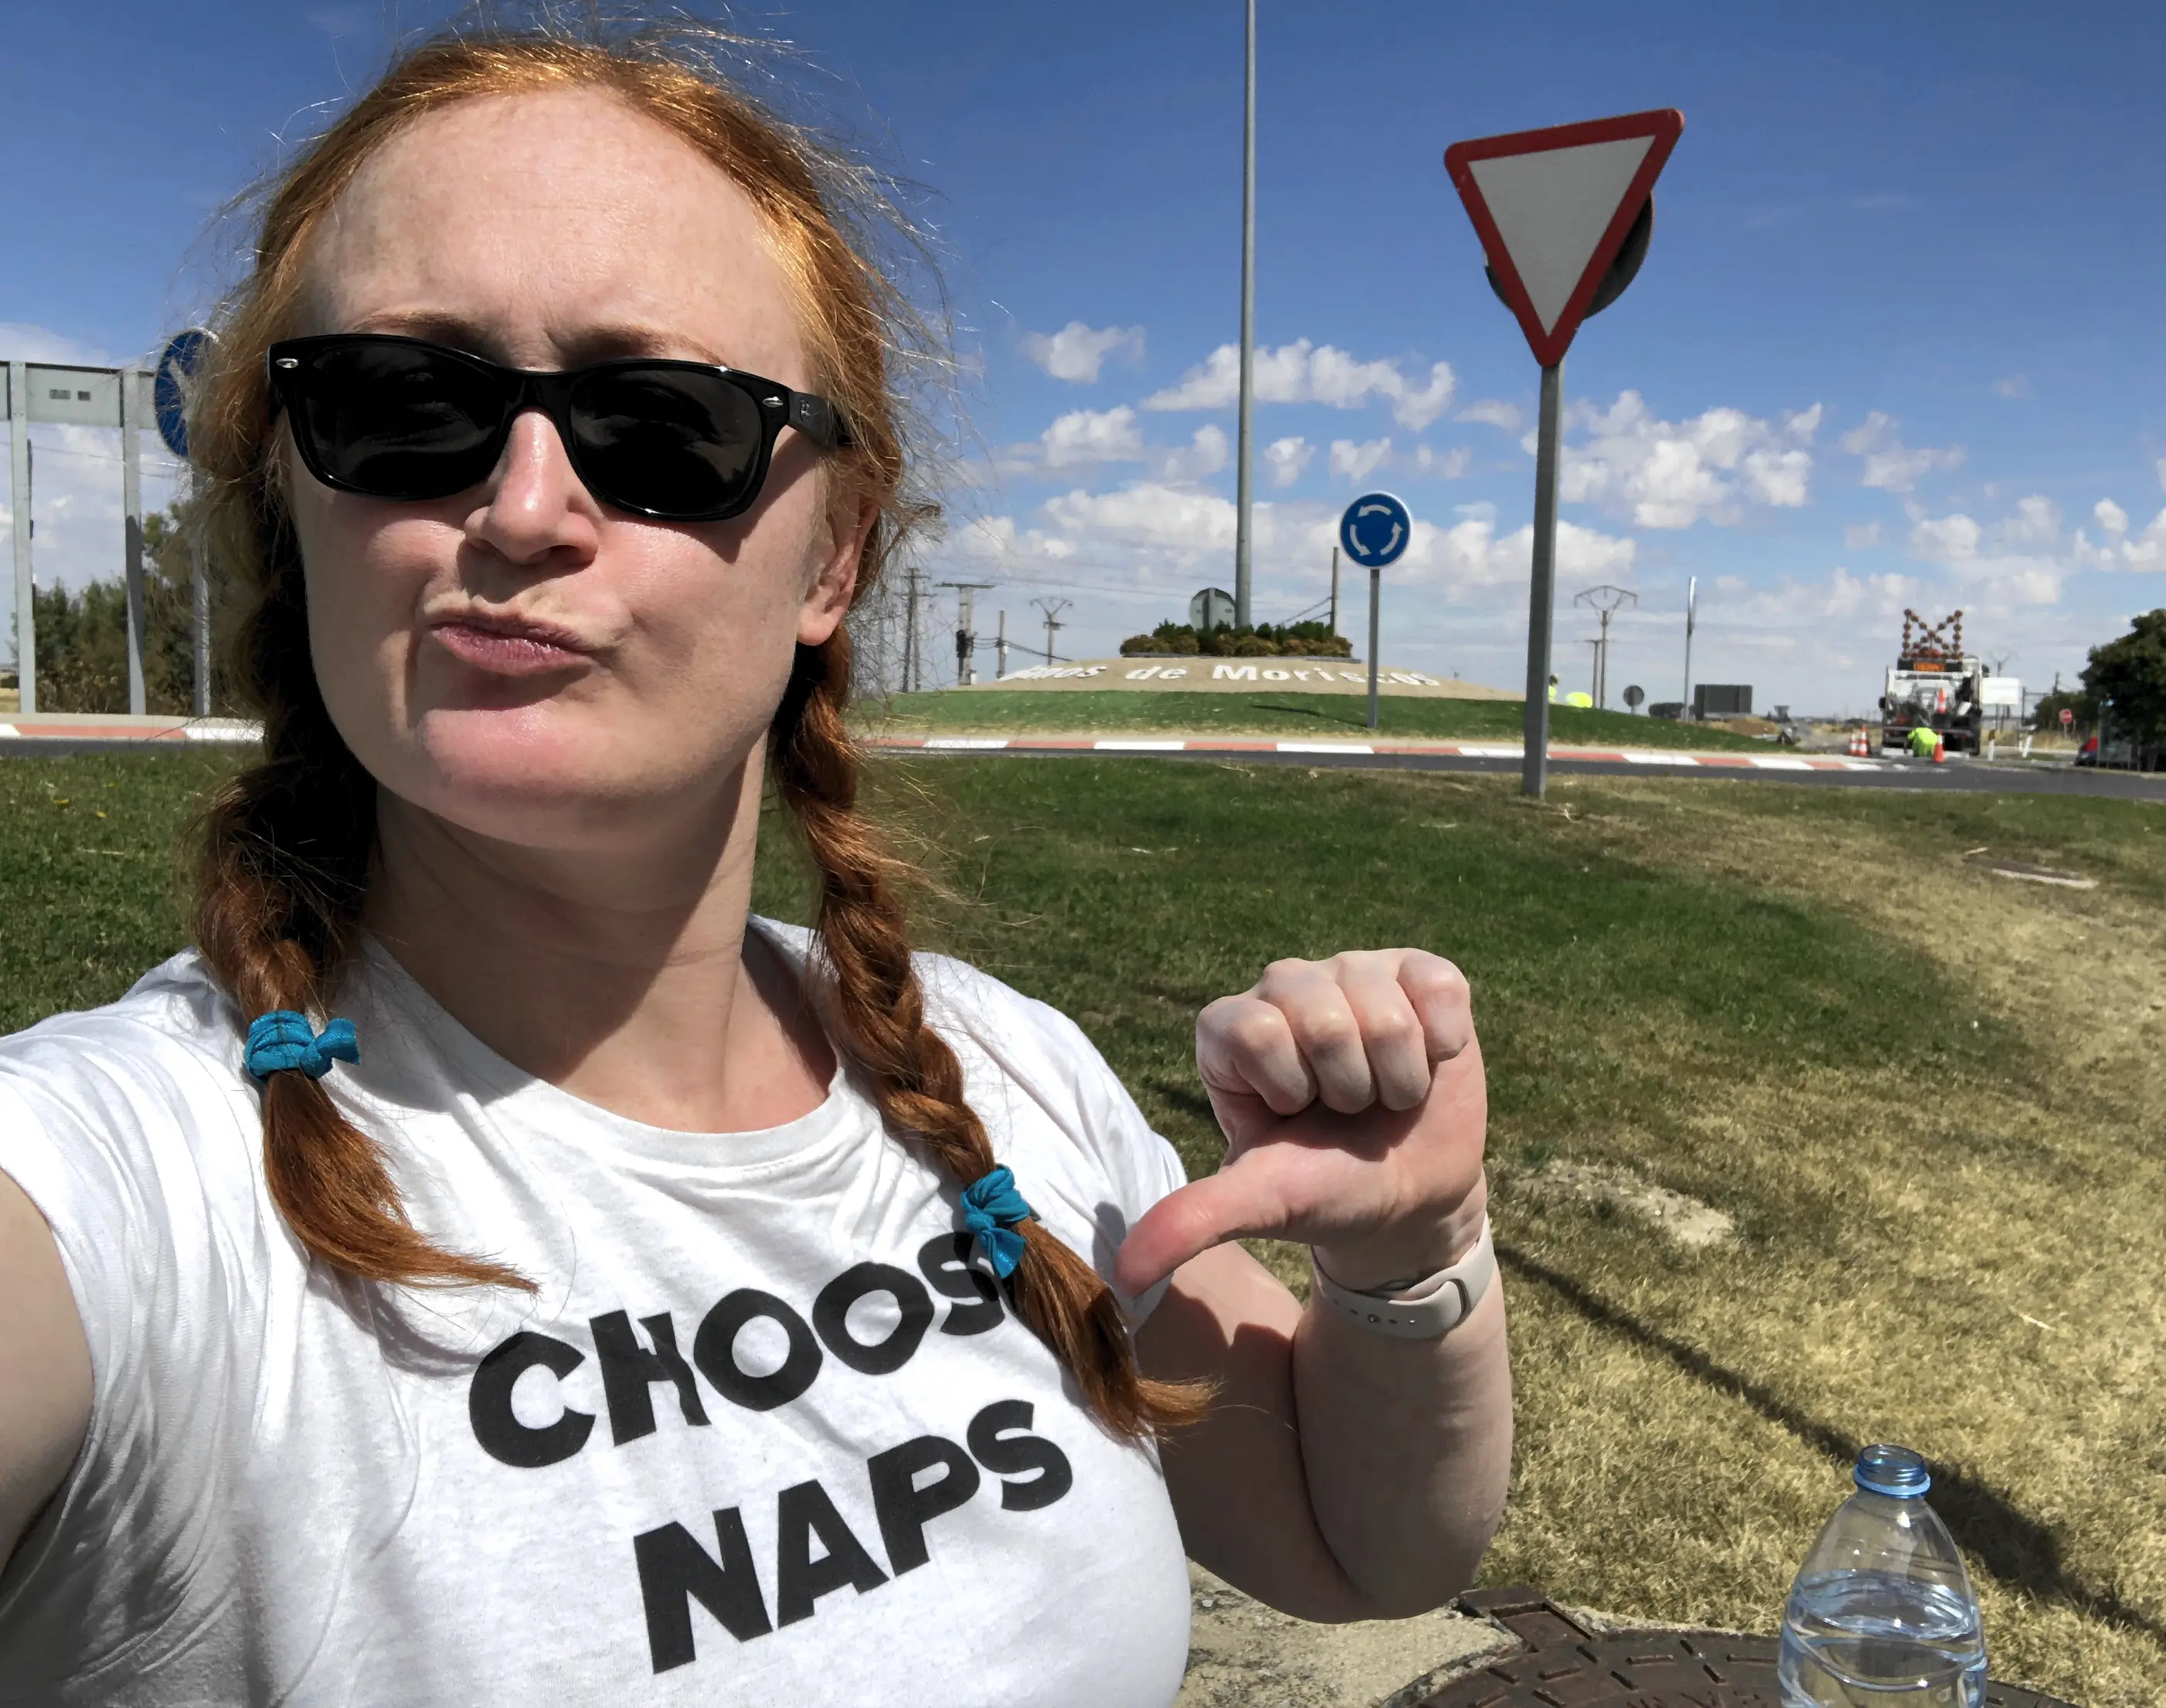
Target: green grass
x,y
1282,714
90,869
1928,1097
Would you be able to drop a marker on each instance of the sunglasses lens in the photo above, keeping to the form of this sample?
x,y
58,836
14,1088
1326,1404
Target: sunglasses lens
x,y
398,420
670,442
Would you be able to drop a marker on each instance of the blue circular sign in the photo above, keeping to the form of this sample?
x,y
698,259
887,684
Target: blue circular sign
x,y
174,389
1375,529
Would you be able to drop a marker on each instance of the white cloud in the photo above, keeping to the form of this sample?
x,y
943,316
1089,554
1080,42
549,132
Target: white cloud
x,y
1494,412
1148,514
1206,452
1304,372
2036,522
1354,462
1287,458
1077,352
1093,435
1889,464
1856,538
2120,550
2110,516
1946,539
2015,386
1672,474
2162,473
20,341
1447,465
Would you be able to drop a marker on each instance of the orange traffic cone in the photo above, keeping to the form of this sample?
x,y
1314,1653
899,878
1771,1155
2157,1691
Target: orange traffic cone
x,y
1860,747
1941,750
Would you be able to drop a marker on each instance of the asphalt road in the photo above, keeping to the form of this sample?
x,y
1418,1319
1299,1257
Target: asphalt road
x,y
1959,775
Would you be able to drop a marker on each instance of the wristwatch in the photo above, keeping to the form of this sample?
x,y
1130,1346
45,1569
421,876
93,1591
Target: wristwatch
x,y
1426,1310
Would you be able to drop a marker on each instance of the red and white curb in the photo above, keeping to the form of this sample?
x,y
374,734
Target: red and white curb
x,y
1461,750
133,730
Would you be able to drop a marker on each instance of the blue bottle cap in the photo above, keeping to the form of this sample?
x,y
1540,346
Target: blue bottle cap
x,y
1886,1469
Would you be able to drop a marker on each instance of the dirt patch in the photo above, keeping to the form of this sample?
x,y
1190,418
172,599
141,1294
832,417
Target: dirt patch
x,y
1685,1219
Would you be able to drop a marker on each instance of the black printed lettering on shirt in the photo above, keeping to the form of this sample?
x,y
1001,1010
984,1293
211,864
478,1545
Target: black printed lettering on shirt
x,y
714,1350
674,1571
831,1317
1007,1455
944,1260
802,1514
501,1434
629,1370
905,1507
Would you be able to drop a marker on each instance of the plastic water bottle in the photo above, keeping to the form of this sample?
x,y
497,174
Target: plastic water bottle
x,y
1882,1614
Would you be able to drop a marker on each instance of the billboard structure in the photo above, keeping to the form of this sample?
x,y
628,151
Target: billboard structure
x,y
124,398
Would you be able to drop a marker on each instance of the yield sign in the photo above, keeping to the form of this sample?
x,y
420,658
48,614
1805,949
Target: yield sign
x,y
1553,207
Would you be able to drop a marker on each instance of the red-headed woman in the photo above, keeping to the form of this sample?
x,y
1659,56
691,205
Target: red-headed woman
x,y
494,1267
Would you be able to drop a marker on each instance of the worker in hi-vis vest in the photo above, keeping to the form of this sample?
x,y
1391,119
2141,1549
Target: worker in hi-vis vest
x,y
1552,690
1924,738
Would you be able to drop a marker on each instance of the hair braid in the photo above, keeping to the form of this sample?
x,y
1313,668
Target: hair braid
x,y
917,1080
287,847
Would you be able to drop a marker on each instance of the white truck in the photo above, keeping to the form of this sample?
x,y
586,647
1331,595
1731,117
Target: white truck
x,y
1934,684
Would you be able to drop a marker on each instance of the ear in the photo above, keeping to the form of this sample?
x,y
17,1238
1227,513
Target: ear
x,y
835,578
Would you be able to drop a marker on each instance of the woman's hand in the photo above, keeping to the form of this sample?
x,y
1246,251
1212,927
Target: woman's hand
x,y
1350,1092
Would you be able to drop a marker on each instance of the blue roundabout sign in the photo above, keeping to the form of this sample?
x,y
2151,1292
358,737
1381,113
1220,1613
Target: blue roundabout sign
x,y
1375,529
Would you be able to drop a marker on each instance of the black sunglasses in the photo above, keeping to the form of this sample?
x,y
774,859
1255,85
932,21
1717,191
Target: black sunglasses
x,y
401,417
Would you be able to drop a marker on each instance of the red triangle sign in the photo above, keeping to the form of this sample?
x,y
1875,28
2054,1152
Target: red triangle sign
x,y
1552,208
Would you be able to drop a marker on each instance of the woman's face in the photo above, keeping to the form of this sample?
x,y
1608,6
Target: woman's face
x,y
522,660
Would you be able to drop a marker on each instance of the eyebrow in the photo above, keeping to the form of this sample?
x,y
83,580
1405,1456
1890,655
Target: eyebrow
x,y
591,344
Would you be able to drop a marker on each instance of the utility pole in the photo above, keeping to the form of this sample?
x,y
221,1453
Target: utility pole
x,y
1334,589
914,577
1605,601
1242,497
1692,606
966,634
1052,608
1000,647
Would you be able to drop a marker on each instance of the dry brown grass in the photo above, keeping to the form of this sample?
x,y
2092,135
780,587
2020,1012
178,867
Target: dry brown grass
x,y
1972,1266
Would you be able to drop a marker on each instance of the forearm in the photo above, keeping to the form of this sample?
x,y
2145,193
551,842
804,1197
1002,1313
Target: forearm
x,y
1407,1448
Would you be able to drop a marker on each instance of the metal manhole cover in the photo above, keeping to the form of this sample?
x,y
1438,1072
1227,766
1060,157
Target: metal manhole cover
x,y
1563,1664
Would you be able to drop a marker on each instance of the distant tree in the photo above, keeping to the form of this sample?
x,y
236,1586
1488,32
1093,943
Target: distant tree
x,y
82,634
2047,714
2128,676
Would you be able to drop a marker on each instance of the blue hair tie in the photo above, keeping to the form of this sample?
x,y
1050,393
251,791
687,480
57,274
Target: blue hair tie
x,y
283,1040
991,1207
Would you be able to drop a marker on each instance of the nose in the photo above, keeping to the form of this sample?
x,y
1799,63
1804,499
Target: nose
x,y
535,508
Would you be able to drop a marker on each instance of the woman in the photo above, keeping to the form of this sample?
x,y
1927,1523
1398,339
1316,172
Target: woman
x,y
493,1267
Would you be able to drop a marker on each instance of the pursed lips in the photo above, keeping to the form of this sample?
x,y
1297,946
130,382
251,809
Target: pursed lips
x,y
508,645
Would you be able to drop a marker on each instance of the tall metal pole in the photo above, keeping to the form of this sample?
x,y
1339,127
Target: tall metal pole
x,y
131,505
1001,646
1534,766
18,502
1334,589
1242,497
1375,604
1692,600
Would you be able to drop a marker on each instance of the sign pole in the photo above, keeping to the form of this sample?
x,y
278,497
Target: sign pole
x,y
19,501
1375,604
1534,764
131,504
199,598
1692,604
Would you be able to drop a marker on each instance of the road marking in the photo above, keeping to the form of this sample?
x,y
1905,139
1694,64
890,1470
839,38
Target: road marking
x,y
975,743
1325,748
1488,752
1661,759
1139,746
1770,764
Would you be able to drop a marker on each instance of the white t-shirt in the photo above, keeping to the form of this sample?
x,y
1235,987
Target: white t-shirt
x,y
768,1434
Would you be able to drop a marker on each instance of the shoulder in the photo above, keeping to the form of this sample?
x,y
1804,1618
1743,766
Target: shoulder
x,y
132,1126
174,1038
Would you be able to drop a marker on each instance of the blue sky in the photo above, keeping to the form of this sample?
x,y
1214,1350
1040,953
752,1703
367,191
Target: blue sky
x,y
1896,343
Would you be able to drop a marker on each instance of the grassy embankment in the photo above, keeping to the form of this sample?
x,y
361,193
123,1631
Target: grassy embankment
x,y
1288,716
1927,1097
